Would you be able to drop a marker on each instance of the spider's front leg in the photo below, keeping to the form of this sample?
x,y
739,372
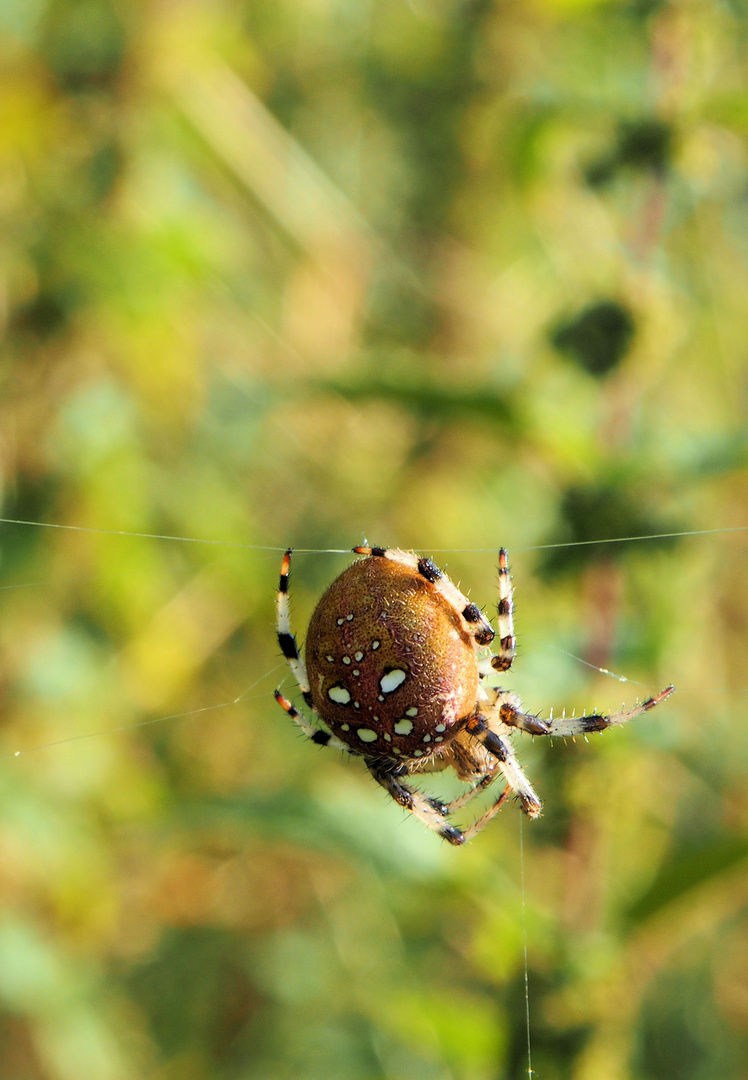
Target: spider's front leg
x,y
591,722
506,708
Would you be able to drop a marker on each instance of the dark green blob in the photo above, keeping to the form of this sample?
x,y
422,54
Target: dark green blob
x,y
590,515
598,337
83,45
43,317
644,145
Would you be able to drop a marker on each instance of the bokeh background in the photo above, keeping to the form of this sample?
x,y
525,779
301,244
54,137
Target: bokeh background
x,y
445,274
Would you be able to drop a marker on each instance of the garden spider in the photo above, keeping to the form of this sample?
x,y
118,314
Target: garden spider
x,y
393,670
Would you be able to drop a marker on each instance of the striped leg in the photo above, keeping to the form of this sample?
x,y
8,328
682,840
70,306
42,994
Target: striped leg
x,y
484,819
290,650
471,763
507,762
583,725
506,708
477,625
430,811
503,659
476,789
286,639
317,735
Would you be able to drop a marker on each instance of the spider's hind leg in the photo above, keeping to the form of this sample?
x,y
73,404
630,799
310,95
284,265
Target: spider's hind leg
x,y
290,650
504,658
430,811
317,735
475,622
286,637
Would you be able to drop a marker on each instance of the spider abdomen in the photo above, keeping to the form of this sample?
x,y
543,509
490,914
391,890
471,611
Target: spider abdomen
x,y
392,668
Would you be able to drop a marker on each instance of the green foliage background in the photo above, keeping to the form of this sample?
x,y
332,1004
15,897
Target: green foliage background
x,y
446,274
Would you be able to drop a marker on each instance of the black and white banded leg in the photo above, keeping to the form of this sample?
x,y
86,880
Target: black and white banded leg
x,y
484,819
289,648
584,725
468,796
505,707
517,782
476,623
431,812
286,638
504,657
317,735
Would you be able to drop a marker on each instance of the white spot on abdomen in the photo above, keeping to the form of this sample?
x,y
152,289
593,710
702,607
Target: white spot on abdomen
x,y
339,695
365,734
403,727
392,680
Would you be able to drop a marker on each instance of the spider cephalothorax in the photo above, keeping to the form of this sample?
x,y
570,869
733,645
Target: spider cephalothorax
x,y
393,670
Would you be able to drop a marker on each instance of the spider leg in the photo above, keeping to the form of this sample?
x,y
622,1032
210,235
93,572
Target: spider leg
x,y
286,638
477,625
502,661
317,735
472,761
484,819
470,794
507,763
506,708
582,725
290,650
430,811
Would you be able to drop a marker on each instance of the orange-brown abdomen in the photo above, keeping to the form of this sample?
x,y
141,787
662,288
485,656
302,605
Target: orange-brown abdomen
x,y
392,669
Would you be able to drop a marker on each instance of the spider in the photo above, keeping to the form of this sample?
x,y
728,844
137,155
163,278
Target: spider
x,y
394,672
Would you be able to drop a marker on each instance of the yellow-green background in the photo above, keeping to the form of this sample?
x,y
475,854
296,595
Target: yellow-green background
x,y
312,271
